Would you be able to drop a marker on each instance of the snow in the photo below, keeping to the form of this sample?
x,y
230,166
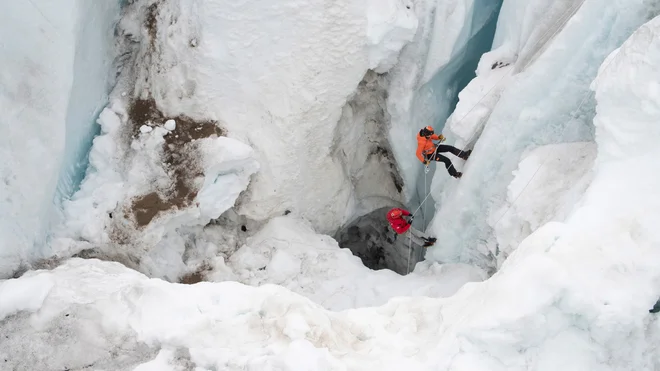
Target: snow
x,y
578,203
103,206
162,362
287,252
170,125
25,295
391,25
55,75
305,58
546,186
546,102
145,129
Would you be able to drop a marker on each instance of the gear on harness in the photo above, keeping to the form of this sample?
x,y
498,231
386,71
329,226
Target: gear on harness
x,y
428,151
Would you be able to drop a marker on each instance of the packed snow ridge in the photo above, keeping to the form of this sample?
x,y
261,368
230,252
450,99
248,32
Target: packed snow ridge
x,y
239,136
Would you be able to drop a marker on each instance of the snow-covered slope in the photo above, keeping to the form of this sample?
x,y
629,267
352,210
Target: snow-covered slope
x,y
546,102
56,67
574,295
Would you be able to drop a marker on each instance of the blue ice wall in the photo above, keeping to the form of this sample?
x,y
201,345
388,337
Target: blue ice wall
x,y
445,85
549,102
56,58
93,79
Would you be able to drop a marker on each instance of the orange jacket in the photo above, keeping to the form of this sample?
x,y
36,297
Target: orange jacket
x,y
425,145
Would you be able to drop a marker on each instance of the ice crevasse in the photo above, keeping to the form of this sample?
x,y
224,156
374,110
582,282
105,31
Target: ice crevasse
x,y
531,90
574,295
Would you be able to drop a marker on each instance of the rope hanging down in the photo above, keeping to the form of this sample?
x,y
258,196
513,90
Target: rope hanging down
x,y
563,19
584,99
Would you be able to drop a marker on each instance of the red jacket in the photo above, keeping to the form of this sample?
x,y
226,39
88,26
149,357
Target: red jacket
x,y
399,224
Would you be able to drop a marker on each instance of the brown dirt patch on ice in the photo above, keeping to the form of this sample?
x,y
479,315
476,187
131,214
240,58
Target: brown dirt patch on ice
x,y
180,157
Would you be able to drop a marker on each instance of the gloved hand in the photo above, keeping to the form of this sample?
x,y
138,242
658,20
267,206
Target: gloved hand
x,y
410,219
441,138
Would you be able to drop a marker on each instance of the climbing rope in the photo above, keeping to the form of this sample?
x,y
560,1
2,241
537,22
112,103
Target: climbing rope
x,y
563,19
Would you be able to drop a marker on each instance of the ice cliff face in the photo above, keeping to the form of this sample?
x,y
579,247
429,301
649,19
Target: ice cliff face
x,y
56,72
531,90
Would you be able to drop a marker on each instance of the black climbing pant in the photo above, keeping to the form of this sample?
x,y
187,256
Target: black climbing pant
x,y
436,156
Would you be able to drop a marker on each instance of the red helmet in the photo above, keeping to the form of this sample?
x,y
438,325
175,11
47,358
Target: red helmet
x,y
395,213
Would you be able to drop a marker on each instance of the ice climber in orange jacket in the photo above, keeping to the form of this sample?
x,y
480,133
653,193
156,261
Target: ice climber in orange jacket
x,y
427,150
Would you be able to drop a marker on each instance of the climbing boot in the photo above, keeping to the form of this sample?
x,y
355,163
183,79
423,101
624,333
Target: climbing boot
x,y
458,175
428,243
431,239
465,155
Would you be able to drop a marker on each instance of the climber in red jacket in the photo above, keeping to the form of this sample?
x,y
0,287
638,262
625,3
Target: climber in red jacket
x,y
401,220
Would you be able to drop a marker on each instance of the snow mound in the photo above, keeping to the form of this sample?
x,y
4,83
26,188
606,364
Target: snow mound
x,y
287,252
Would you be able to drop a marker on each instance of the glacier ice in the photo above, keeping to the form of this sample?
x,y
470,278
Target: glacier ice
x,y
56,69
548,102
573,293
430,74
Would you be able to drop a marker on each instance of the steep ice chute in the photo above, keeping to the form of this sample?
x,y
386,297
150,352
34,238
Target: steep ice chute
x,y
524,30
547,103
451,59
452,37
55,75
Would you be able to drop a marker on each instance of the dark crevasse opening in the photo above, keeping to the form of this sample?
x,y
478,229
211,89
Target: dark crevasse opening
x,y
369,236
